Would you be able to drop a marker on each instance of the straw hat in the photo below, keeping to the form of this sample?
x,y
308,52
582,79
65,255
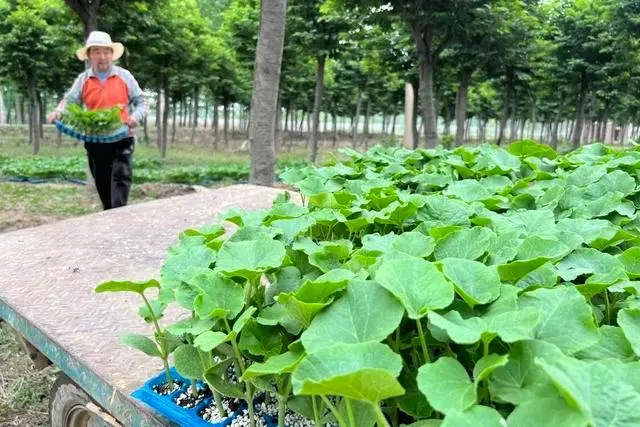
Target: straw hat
x,y
100,39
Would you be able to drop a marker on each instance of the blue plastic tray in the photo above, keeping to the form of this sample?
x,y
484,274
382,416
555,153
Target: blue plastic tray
x,y
166,405
119,134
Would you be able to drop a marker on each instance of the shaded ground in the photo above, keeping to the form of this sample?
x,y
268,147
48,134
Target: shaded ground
x,y
24,392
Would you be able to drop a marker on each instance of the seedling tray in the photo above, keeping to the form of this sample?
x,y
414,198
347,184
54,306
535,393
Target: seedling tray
x,y
119,134
165,404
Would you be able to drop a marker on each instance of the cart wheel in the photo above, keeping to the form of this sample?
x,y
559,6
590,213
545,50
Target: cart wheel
x,y
68,404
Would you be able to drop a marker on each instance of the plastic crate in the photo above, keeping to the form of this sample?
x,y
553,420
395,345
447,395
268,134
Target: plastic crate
x,y
119,134
166,405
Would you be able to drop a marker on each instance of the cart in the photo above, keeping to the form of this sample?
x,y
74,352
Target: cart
x,y
47,279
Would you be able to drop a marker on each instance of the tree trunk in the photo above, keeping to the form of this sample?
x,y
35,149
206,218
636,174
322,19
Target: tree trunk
x,y
34,134
462,102
265,89
393,124
334,131
505,110
556,122
277,142
159,119
206,112
522,126
286,119
414,118
534,108
145,127
354,135
88,13
409,108
423,38
384,123
367,119
19,109
577,135
3,108
215,126
225,114
317,104
326,126
165,118
173,127
196,110
42,113
514,124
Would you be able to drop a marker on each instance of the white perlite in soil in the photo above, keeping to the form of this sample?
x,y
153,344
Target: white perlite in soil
x,y
186,401
291,419
164,389
211,414
243,420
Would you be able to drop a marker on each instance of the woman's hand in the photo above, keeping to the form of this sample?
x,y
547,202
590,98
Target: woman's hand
x,y
53,116
132,122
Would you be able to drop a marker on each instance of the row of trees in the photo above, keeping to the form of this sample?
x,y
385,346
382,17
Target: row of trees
x,y
561,67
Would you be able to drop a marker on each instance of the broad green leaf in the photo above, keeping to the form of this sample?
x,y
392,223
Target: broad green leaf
x,y
222,386
600,389
209,340
516,270
612,344
364,414
261,340
521,380
244,218
376,242
366,312
241,321
552,411
176,264
286,279
157,310
541,247
473,281
413,243
331,255
137,287
446,385
319,289
505,247
219,296
629,321
461,331
250,258
442,210
417,283
494,160
142,343
185,294
193,326
487,365
470,244
293,227
476,416
287,210
604,269
467,190
277,314
275,365
302,312
567,318
514,326
588,229
187,361
631,261
529,148
365,371
544,276
424,423
413,403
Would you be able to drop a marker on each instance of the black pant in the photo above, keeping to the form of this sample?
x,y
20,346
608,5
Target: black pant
x,y
110,165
